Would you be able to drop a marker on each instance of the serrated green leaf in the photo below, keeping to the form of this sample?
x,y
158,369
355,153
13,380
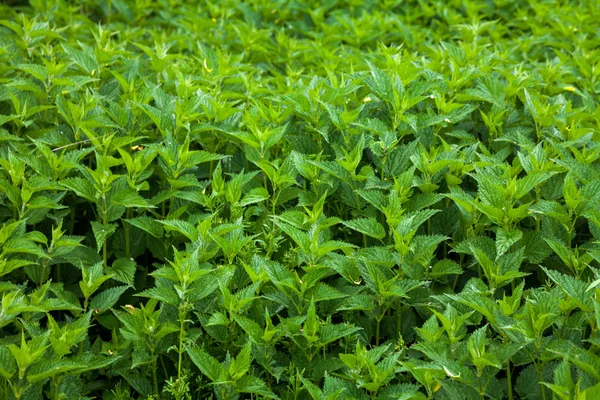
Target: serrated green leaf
x,y
106,299
185,228
148,225
367,226
102,233
207,364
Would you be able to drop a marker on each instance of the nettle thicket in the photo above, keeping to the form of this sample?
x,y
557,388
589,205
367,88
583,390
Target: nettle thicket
x,y
299,200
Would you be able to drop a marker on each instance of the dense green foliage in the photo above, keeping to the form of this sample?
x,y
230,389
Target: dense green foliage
x,y
299,199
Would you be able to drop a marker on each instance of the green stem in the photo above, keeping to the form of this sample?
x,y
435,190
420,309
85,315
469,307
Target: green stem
x,y
265,181
154,378
104,254
481,387
55,387
127,227
164,367
181,336
540,377
104,222
44,265
377,329
399,320
72,225
509,381
571,230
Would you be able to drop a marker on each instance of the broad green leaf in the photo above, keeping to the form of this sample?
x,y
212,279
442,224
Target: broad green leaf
x,y
102,233
148,225
185,228
367,226
207,364
106,299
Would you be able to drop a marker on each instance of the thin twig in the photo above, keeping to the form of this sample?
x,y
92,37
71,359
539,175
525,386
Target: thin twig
x,y
72,144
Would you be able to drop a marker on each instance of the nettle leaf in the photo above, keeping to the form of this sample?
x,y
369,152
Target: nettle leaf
x,y
22,245
574,288
532,104
367,226
138,382
201,156
129,198
527,385
528,183
325,292
185,228
8,365
7,266
254,385
562,251
92,278
584,359
48,369
478,302
300,238
148,225
35,70
241,364
332,332
102,232
445,267
256,195
374,197
208,365
311,324
106,299
333,245
504,240
251,327
123,270
81,187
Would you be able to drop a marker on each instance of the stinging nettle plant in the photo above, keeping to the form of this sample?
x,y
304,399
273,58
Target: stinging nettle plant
x,y
294,200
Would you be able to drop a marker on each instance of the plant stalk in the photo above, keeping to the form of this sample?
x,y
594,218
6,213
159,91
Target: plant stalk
x,y
181,336
509,381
